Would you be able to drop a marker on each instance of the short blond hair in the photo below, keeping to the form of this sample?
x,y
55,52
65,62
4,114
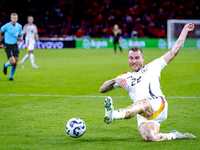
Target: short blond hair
x,y
29,16
14,14
135,48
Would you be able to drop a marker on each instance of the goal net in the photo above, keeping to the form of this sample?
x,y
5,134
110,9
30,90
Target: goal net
x,y
174,28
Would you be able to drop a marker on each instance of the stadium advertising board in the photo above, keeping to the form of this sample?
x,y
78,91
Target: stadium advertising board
x,y
127,43
52,43
44,45
87,43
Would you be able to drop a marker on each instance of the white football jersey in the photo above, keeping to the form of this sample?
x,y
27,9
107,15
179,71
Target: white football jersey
x,y
30,31
146,82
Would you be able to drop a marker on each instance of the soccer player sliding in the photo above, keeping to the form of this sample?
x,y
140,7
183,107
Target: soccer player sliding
x,y
143,87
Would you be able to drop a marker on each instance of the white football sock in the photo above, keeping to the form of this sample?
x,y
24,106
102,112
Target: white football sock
x,y
118,114
170,136
25,58
32,59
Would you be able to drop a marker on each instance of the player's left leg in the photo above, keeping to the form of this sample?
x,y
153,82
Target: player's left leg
x,y
9,52
150,132
13,69
23,60
26,56
5,66
120,48
11,62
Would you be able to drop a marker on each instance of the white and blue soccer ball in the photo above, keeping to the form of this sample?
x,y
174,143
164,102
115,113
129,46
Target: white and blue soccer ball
x,y
75,127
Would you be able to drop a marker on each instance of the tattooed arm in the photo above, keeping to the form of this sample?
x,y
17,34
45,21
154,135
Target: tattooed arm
x,y
169,56
108,85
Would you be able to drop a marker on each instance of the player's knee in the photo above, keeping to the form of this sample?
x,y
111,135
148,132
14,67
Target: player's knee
x,y
13,63
139,108
149,138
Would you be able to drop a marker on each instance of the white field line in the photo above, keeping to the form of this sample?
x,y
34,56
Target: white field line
x,y
94,96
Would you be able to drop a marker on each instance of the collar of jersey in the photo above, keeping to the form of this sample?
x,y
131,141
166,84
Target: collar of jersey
x,y
138,71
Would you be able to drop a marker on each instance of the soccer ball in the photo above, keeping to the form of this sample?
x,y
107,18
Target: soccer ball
x,y
75,127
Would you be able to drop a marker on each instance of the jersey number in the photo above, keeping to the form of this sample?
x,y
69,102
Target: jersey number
x,y
134,80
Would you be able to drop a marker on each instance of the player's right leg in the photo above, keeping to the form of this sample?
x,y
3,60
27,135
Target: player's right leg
x,y
110,113
9,55
12,54
179,135
120,48
142,107
31,54
10,62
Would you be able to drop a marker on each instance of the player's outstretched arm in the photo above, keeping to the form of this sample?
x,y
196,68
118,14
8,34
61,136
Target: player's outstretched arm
x,y
108,85
169,56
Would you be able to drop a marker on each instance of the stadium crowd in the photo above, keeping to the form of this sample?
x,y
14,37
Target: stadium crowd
x,y
136,18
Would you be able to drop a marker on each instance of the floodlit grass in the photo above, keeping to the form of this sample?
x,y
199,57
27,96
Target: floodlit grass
x,y
36,107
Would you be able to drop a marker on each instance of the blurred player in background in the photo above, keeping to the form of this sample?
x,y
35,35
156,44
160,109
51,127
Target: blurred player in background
x,y
12,36
117,38
143,87
31,32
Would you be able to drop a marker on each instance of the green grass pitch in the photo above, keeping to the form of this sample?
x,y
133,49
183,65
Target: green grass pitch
x,y
36,107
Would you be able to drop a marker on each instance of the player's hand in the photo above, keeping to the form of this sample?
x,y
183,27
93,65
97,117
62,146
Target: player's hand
x,y
110,38
20,39
2,45
189,26
122,82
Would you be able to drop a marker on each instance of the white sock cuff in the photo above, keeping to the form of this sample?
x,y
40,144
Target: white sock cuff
x,y
118,114
170,136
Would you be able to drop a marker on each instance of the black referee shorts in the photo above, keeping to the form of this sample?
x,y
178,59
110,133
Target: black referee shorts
x,y
12,50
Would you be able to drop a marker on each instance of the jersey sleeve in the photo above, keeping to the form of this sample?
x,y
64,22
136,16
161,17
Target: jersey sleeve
x,y
24,29
116,85
20,30
158,64
3,28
